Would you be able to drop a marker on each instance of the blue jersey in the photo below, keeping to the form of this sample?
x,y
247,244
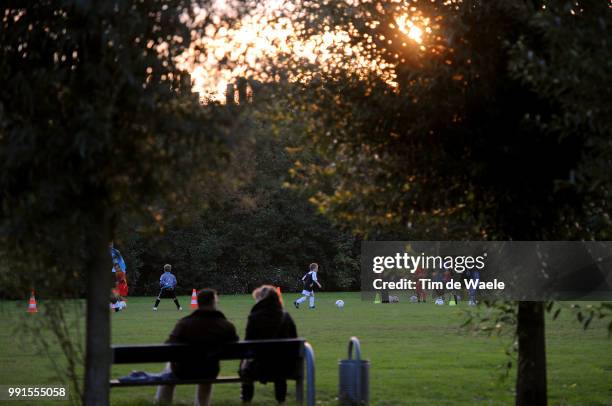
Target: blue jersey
x,y
167,281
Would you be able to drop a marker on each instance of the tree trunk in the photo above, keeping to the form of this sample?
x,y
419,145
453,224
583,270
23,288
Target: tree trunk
x,y
98,354
531,373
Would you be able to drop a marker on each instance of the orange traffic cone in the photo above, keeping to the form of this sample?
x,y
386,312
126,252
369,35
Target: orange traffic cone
x,y
32,306
194,299
280,295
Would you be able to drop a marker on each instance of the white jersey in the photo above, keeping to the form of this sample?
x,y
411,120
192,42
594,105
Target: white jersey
x,y
313,275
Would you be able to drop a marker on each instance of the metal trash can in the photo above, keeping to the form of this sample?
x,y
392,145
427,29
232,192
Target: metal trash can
x,y
354,383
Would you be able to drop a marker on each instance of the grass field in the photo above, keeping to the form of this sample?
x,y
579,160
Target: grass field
x,y
418,353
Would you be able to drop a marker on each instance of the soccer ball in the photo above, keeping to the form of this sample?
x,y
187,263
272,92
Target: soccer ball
x,y
439,301
340,303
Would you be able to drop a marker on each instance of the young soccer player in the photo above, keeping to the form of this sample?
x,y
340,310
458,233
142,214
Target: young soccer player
x,y
116,301
420,292
167,283
121,282
473,275
309,280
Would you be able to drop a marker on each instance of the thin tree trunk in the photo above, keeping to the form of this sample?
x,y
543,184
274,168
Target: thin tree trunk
x,y
531,373
98,354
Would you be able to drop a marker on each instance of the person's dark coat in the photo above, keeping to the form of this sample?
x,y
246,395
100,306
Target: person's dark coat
x,y
207,328
268,320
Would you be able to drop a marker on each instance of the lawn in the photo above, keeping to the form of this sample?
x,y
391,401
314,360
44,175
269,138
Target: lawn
x,y
418,353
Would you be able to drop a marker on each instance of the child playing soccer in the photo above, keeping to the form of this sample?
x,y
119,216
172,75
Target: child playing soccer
x,y
116,301
309,280
475,276
167,284
420,292
121,282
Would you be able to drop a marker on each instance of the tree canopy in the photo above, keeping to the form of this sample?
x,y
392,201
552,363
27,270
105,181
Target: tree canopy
x,y
468,139
96,121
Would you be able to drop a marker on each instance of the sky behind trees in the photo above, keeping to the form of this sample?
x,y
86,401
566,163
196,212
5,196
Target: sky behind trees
x,y
272,31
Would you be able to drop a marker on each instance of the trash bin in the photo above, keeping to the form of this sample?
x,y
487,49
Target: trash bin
x,y
354,382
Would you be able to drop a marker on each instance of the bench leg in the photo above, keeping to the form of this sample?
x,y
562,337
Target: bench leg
x,y
299,390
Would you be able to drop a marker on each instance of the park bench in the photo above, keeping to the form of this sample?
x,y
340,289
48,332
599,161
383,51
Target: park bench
x,y
278,349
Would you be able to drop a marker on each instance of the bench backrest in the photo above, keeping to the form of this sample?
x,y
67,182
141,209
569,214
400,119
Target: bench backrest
x,y
286,349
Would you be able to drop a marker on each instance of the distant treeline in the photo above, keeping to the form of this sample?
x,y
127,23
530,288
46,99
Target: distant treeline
x,y
257,231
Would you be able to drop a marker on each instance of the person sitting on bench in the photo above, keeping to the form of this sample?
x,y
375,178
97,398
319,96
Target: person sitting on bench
x,y
206,326
267,320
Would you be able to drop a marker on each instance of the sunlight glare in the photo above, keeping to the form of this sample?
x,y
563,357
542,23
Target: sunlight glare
x,y
246,48
409,28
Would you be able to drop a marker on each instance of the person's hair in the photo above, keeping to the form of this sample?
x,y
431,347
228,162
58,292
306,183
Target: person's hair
x,y
265,291
167,268
314,266
206,297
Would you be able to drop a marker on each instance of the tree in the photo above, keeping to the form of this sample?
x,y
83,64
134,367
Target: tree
x,y
96,121
448,137
257,230
565,62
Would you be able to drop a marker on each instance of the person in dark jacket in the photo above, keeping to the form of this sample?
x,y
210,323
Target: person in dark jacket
x,y
267,320
206,326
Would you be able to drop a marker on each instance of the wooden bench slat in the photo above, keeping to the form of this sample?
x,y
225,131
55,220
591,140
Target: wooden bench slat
x,y
138,354
221,379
